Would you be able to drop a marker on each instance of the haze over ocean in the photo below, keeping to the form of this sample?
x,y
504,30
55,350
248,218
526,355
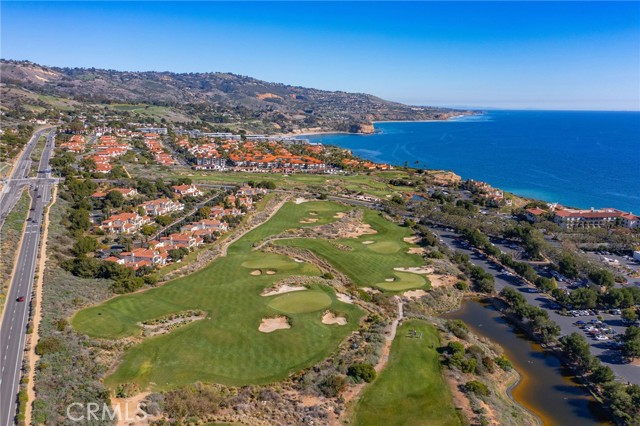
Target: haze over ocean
x,y
577,158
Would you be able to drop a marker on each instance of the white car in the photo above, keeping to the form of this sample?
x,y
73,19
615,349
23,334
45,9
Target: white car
x,y
601,337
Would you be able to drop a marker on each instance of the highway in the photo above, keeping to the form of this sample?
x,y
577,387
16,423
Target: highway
x,y
16,314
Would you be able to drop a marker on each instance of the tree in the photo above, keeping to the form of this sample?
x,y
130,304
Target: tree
x,y
629,314
631,342
204,212
115,198
84,245
584,298
147,230
79,219
567,265
477,388
362,372
601,374
576,347
602,277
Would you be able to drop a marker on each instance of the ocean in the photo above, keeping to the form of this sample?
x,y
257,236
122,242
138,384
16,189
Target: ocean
x,y
575,158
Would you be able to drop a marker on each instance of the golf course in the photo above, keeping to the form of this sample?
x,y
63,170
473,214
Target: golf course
x,y
225,344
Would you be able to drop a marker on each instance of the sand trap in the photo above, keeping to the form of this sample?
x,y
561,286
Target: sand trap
x,y
270,272
440,280
389,280
339,215
415,270
330,318
309,220
256,272
411,240
298,260
414,294
362,229
300,200
416,250
269,325
283,289
313,213
344,298
368,242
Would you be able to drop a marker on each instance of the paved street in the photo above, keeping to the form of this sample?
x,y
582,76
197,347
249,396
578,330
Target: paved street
x,y
16,313
624,371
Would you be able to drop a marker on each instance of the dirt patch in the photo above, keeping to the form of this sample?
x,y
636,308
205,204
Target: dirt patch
x,y
344,298
368,242
416,270
439,280
414,294
339,215
358,230
370,290
269,325
411,240
300,200
416,250
270,272
127,410
282,289
167,326
309,220
331,318
256,272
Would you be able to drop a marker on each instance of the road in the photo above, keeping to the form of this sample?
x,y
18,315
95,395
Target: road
x,y
625,372
16,314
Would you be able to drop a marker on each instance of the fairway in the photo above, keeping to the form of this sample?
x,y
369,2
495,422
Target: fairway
x,y
300,301
410,391
227,347
370,264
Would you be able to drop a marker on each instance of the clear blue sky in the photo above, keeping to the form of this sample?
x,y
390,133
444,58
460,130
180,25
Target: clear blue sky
x,y
567,55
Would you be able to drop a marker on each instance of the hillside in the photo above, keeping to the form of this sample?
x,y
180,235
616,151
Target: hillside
x,y
216,98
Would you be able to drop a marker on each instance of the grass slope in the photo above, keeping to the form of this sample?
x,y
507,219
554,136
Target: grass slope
x,y
370,264
410,390
226,347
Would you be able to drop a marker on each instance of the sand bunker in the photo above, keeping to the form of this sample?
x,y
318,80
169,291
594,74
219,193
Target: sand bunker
x,y
256,272
340,215
270,272
309,220
269,325
331,318
411,240
416,250
283,289
368,242
389,280
344,298
313,213
361,229
440,280
414,294
415,270
298,260
300,200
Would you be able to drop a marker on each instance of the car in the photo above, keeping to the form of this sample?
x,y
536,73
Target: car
x,y
601,337
20,299
580,322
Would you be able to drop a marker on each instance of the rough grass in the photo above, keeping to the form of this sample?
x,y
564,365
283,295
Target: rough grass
x,y
9,238
226,347
365,265
410,390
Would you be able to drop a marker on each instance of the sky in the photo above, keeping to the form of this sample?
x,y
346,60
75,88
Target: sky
x,y
513,55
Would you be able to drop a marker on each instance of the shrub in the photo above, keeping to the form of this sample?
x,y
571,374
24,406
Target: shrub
x,y
477,388
331,386
362,372
462,286
504,363
49,345
458,328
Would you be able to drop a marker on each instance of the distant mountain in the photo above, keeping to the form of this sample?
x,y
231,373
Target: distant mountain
x,y
212,97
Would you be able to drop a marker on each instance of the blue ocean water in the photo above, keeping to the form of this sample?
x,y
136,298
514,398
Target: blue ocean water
x,y
579,159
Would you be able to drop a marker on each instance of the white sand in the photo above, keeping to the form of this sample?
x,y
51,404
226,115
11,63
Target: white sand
x,y
411,240
416,250
313,213
344,298
298,260
256,272
309,220
300,200
270,272
368,242
269,325
415,270
414,294
389,280
284,289
330,318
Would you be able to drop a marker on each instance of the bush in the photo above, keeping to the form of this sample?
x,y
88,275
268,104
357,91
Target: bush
x,y
125,390
327,276
331,386
477,388
362,372
462,286
458,328
49,345
504,363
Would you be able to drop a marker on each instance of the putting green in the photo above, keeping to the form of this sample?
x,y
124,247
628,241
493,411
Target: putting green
x,y
385,247
403,281
270,261
300,302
